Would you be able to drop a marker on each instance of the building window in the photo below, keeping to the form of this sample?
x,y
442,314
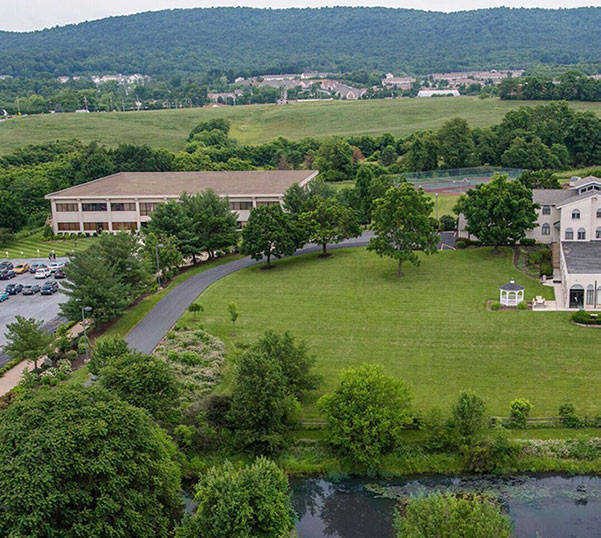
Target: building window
x,y
598,233
569,234
147,208
68,226
101,206
241,206
123,206
546,210
95,226
576,214
546,229
590,294
268,203
131,226
581,234
67,208
599,213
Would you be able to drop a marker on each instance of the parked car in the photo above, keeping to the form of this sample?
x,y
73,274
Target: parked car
x,y
43,272
59,273
56,265
31,289
22,268
14,289
6,265
3,296
7,274
49,288
35,266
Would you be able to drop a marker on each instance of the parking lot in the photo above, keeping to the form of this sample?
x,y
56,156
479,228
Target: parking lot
x,y
40,307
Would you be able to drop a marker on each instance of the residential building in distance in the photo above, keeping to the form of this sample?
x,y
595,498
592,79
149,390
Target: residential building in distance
x,y
438,93
126,200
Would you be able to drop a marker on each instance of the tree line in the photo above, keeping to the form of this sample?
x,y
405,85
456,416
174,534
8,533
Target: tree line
x,y
570,86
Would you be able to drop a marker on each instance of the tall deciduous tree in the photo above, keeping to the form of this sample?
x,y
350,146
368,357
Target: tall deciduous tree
x,y
26,340
402,224
269,233
335,159
102,468
498,212
329,222
366,413
172,220
253,500
456,144
165,248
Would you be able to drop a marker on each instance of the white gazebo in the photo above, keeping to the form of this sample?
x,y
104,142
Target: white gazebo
x,y
511,294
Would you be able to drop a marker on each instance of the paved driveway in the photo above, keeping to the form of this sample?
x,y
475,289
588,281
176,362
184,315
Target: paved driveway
x,y
40,307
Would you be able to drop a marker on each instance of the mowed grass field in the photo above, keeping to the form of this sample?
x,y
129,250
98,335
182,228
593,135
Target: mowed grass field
x,y
430,327
34,247
256,124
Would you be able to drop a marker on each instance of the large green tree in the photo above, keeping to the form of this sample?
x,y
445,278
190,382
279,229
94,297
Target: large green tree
x,y
269,233
335,159
241,502
81,462
172,220
498,212
402,225
26,340
329,222
456,144
366,413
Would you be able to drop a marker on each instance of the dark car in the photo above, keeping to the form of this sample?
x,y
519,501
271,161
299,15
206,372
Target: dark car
x,y
7,274
49,288
59,273
31,289
35,266
13,289
6,265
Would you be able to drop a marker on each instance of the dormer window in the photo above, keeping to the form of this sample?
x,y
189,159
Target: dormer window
x,y
569,234
575,214
546,210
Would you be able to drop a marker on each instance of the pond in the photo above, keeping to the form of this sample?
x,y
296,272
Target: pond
x,y
545,506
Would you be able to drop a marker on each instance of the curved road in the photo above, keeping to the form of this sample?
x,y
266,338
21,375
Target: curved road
x,y
148,333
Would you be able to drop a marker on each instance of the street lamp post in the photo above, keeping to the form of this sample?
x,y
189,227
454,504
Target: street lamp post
x,y
85,309
436,198
157,246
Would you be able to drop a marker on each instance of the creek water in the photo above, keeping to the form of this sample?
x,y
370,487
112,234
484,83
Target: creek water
x,y
540,506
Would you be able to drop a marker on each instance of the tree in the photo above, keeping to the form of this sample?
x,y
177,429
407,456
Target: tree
x,y
388,156
519,411
214,226
102,467
469,416
143,381
106,348
452,516
195,308
269,232
294,360
366,413
539,179
456,144
165,247
335,159
171,219
122,254
498,212
240,502
260,402
329,222
363,182
233,312
402,224
26,340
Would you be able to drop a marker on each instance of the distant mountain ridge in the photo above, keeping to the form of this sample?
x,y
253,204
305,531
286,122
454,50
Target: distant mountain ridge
x,y
246,41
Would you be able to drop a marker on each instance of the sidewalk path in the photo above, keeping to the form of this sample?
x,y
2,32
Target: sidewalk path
x,y
11,378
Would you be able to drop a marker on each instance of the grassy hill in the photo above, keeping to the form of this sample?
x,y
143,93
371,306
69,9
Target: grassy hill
x,y
255,124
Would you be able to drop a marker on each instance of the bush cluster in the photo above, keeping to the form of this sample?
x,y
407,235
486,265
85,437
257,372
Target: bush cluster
x,y
586,318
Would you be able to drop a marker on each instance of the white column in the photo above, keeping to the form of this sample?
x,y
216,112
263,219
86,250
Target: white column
x,y
80,213
109,215
138,220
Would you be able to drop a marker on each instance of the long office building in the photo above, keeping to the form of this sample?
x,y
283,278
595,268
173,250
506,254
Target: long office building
x,y
125,201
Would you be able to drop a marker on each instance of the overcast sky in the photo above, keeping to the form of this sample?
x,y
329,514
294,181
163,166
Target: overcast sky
x,y
24,15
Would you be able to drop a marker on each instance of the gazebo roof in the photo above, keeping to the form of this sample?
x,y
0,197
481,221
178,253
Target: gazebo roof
x,y
511,286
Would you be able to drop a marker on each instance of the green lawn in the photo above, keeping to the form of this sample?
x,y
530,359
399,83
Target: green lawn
x,y
430,327
34,247
260,123
446,202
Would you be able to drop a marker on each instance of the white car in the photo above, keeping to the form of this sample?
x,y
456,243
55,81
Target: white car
x,y
56,265
44,272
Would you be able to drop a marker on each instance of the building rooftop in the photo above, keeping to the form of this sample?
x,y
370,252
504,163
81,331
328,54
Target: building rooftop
x,y
511,286
173,184
582,257
552,196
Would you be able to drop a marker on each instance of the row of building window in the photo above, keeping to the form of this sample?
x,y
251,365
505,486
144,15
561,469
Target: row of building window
x,y
569,234
575,212
95,226
115,206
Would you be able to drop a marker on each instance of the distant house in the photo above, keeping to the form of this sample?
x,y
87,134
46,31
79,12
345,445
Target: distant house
x,y
438,93
403,83
342,90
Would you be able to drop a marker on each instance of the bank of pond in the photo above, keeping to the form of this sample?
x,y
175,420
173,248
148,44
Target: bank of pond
x,y
539,505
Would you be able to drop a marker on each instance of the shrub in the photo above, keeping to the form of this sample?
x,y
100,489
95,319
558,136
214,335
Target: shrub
x,y
546,269
519,410
447,223
460,244
452,516
71,355
438,433
469,416
495,306
82,344
47,232
105,349
522,306
586,318
527,242
568,416
366,414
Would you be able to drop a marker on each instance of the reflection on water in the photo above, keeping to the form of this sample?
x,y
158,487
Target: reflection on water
x,y
547,506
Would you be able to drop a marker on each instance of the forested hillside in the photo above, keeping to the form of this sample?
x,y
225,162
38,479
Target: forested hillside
x,y
245,41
